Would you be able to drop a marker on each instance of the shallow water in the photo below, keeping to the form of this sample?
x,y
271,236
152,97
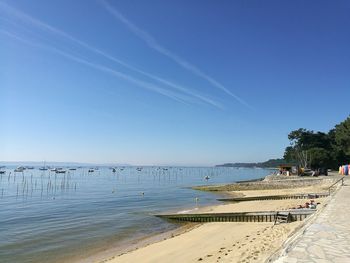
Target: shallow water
x,y
46,216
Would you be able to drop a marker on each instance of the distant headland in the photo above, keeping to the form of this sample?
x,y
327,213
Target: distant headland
x,y
272,163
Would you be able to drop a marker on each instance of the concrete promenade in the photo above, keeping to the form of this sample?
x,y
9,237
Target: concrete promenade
x,y
327,238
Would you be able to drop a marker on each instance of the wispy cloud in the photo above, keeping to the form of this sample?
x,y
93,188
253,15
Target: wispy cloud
x,y
53,30
153,43
149,86
180,88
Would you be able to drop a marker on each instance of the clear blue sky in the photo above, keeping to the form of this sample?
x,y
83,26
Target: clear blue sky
x,y
168,82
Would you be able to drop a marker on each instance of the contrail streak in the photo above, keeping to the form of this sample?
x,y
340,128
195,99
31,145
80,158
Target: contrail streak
x,y
46,27
153,43
146,85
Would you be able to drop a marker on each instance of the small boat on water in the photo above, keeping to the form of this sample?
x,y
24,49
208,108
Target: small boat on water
x,y
2,172
60,171
207,178
30,167
91,170
44,168
19,169
114,170
72,169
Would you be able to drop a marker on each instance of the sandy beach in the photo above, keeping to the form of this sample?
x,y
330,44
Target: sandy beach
x,y
229,241
215,242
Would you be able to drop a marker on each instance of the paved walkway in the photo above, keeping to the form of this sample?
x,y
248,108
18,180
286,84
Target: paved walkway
x,y
327,239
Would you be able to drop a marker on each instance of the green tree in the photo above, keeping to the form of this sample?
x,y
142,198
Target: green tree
x,y
309,148
320,157
341,144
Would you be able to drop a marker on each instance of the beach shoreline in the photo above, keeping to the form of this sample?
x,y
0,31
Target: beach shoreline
x,y
187,244
106,254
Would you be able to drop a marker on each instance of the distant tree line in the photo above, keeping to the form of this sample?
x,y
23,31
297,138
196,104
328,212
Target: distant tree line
x,y
272,163
312,149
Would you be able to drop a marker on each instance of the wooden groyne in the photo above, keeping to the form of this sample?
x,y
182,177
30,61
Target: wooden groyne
x,y
274,197
269,216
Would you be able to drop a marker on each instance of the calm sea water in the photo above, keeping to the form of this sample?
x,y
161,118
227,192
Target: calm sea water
x,y
52,217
